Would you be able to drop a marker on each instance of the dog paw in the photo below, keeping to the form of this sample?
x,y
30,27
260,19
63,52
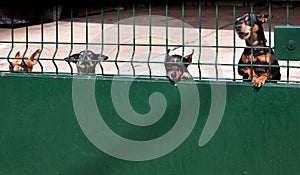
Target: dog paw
x,y
259,81
186,76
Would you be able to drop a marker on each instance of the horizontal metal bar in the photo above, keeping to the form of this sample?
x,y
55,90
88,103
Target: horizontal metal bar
x,y
136,44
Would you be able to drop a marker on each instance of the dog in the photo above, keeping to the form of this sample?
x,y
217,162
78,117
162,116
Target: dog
x,y
86,61
253,34
23,64
176,67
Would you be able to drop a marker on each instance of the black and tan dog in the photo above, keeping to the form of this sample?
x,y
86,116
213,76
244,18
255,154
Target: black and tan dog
x,y
86,61
176,67
23,64
253,34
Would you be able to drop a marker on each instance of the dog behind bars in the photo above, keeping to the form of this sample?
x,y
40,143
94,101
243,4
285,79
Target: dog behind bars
x,y
253,34
23,64
86,61
176,66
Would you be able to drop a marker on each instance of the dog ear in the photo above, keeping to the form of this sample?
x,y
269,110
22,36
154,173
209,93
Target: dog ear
x,y
168,51
263,18
34,54
18,55
73,58
102,57
34,61
188,58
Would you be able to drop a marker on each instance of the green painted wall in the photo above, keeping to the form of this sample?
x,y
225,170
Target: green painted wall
x,y
40,132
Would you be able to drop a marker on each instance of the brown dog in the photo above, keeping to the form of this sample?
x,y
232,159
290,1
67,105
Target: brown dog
x,y
24,64
86,61
253,34
176,67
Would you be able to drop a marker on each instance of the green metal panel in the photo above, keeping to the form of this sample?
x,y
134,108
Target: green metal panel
x,y
287,42
40,132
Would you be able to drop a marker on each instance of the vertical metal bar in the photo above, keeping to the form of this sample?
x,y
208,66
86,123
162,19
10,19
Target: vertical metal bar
x,y
287,23
71,49
118,35
288,71
150,38
217,40
86,28
234,41
167,26
287,12
251,39
133,39
26,36
42,42
200,34
56,43
167,33
102,29
182,25
270,31
26,41
102,37
12,42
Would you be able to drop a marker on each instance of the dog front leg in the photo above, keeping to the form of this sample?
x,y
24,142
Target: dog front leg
x,y
186,75
261,80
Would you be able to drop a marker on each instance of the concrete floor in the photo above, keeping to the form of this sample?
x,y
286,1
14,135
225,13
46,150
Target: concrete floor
x,y
119,36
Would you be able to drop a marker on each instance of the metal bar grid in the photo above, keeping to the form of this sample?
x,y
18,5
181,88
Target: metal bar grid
x,y
142,34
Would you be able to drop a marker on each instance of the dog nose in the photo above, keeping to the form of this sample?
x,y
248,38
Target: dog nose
x,y
16,69
173,74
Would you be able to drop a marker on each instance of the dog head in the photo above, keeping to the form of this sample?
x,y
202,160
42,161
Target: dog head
x,y
86,61
23,64
244,27
176,66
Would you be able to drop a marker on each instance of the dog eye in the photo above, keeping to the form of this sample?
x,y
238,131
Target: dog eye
x,y
248,22
169,66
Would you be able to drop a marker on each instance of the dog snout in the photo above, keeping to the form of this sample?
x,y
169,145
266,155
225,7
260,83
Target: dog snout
x,y
17,68
173,75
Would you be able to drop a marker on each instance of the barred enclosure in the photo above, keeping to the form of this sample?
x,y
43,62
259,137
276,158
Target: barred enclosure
x,y
85,88
136,37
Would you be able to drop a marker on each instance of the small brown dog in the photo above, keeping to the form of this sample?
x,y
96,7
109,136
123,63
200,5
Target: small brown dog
x,y
176,67
86,61
23,64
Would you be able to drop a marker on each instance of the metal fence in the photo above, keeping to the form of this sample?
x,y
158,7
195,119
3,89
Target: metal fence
x,y
136,38
56,121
